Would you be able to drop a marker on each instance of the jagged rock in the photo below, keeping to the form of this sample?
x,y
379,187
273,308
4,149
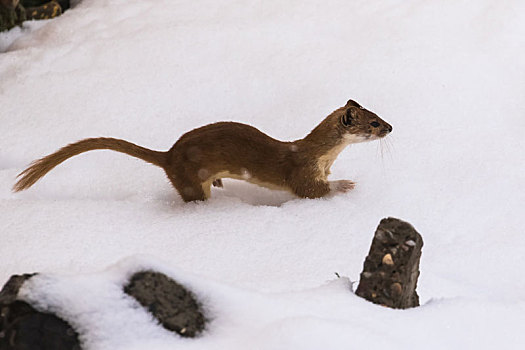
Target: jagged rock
x,y
391,269
24,328
174,306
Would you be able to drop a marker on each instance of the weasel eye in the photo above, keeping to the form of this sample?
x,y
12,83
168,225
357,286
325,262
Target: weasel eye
x,y
374,124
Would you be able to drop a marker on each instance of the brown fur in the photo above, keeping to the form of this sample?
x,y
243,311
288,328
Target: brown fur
x,y
203,156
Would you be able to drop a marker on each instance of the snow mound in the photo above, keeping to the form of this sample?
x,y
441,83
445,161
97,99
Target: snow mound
x,y
329,316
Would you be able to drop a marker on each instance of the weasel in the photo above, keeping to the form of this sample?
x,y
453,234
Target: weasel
x,y
205,155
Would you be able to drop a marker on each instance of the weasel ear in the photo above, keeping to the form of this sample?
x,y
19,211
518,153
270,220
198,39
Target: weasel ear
x,y
348,118
353,103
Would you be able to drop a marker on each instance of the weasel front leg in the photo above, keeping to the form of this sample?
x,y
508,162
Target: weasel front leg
x,y
341,186
317,189
311,189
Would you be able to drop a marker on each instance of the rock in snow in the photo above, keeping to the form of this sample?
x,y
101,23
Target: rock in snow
x,y
174,306
24,328
391,269
389,278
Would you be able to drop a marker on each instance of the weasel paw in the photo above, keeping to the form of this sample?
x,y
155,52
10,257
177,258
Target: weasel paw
x,y
342,185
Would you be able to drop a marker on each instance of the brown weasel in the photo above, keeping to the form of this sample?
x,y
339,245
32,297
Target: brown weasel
x,y
203,156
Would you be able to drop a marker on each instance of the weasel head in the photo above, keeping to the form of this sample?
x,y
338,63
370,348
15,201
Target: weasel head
x,y
358,124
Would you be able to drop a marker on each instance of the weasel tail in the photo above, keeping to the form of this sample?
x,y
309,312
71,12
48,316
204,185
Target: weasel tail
x,y
42,166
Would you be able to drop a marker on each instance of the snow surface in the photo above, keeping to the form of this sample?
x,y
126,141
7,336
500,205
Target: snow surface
x,y
449,77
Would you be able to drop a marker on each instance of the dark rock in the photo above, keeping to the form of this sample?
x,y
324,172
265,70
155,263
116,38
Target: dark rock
x,y
12,14
173,305
64,4
50,9
391,269
10,290
24,328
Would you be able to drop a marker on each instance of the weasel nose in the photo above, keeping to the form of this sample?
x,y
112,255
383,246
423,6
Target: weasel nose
x,y
385,130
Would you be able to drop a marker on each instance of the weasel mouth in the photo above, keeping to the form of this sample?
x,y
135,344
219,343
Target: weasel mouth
x,y
385,131
356,138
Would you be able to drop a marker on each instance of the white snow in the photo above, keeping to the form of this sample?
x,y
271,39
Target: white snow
x,y
448,76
